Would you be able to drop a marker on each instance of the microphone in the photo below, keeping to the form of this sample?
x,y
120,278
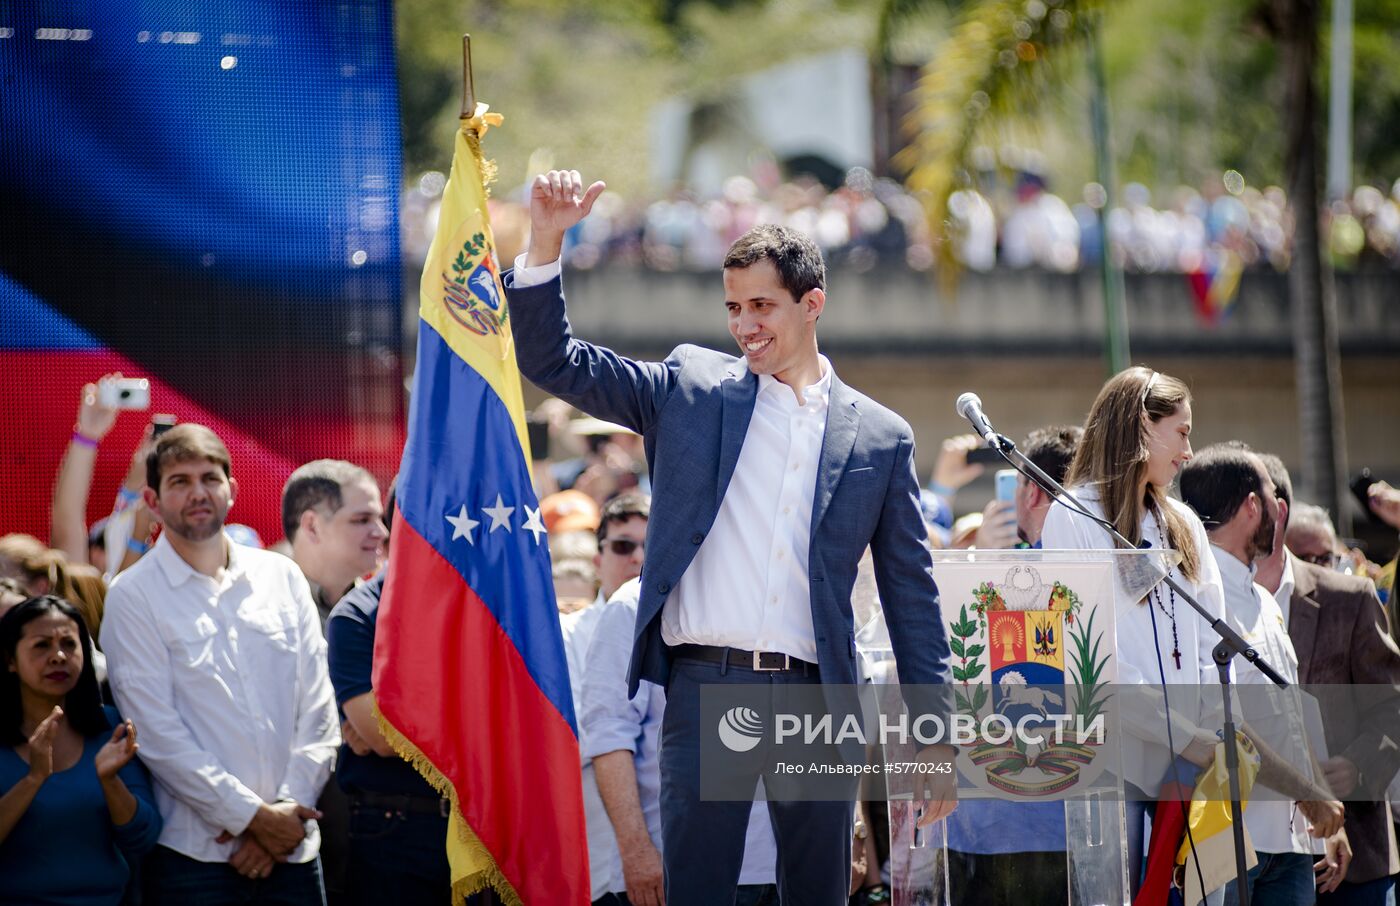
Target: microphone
x,y
969,406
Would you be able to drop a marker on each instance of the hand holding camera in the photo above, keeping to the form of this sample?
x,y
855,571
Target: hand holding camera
x,y
95,416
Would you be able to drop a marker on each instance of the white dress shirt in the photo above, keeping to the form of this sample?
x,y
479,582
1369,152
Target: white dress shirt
x,y
748,585
225,678
1275,824
1146,756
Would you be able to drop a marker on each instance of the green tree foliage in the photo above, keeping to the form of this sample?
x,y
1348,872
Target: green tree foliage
x,y
577,79
1376,90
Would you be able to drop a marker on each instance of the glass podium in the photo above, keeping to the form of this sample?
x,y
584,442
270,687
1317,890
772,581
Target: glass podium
x,y
1041,816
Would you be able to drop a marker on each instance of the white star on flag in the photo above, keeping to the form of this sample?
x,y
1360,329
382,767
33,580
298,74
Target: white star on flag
x,y
533,523
462,525
499,514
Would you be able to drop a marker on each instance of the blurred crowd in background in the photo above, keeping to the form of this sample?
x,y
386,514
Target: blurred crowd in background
x,y
1014,221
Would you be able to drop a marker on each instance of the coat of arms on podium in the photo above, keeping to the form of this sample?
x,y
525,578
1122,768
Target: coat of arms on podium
x,y
1032,648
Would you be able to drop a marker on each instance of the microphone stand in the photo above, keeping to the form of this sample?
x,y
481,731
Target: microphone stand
x,y
1230,643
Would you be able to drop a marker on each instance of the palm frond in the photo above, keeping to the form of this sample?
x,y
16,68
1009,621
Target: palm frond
x,y
1003,57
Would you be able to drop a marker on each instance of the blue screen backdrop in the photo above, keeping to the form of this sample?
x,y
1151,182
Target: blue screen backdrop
x,y
205,193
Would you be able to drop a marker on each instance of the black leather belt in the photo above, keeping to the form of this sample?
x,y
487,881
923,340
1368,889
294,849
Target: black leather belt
x,y
758,661
408,803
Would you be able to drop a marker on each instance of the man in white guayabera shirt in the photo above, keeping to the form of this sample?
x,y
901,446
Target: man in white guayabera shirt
x,y
217,650
1230,490
770,478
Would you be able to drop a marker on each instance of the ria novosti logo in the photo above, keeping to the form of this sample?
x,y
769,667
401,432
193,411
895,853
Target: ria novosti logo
x,y
740,729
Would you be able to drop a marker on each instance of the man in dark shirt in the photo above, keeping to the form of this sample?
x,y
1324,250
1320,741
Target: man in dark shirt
x,y
398,822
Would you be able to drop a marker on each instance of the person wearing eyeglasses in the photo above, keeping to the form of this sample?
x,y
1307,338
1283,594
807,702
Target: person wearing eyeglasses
x,y
1311,537
622,535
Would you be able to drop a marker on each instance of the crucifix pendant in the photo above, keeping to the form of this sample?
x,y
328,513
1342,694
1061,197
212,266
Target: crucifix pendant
x,y
1176,656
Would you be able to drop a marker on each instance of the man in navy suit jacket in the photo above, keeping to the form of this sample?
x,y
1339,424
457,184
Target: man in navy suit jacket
x,y
770,477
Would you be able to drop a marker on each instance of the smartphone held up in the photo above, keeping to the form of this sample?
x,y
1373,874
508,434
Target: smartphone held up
x,y
124,393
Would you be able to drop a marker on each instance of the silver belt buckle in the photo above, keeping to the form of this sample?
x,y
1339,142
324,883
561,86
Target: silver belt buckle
x,y
758,662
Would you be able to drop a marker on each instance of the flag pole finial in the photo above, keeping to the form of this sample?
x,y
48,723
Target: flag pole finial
x,y
468,88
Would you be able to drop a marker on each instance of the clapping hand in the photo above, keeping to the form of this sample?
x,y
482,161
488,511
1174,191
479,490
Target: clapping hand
x,y
118,751
41,745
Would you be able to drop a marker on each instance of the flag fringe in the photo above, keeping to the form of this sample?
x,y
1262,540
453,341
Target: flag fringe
x,y
490,876
486,167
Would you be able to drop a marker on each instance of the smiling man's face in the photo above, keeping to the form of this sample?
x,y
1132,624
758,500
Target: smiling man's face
x,y
774,331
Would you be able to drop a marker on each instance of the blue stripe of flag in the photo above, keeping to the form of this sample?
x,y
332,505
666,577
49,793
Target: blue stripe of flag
x,y
463,449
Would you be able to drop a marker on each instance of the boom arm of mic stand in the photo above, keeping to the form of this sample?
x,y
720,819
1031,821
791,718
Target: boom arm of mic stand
x,y
1228,636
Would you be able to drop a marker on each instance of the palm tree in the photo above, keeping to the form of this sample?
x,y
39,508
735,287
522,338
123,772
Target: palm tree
x,y
1006,56
1311,290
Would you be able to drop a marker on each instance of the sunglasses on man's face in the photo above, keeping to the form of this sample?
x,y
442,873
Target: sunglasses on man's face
x,y
623,547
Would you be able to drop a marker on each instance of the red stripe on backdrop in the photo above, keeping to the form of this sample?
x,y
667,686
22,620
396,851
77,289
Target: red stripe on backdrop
x,y
39,397
457,645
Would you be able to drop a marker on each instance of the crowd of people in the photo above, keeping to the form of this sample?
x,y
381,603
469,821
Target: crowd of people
x,y
1010,223
192,715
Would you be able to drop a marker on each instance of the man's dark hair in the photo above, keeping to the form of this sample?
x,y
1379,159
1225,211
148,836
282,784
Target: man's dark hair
x,y
82,706
1052,448
1278,473
796,257
621,508
184,443
316,484
1218,479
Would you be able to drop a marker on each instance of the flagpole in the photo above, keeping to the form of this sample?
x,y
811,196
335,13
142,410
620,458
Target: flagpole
x,y
468,88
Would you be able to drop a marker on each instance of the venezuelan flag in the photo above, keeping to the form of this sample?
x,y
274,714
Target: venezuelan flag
x,y
469,672
1173,874
1215,283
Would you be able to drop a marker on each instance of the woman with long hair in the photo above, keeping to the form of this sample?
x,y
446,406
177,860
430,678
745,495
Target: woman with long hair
x,y
75,804
1136,439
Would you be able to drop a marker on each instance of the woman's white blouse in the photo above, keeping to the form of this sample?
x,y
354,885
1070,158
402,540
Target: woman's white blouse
x,y
1192,688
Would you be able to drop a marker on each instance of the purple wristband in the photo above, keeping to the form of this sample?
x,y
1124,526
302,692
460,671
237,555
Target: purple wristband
x,y
81,438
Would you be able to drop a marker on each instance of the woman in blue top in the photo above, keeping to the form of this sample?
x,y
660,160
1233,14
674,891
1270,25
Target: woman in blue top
x,y
76,804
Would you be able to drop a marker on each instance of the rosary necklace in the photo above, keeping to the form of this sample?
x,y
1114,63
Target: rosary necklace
x,y
1171,594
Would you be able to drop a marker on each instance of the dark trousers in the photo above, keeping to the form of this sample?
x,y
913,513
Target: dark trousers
x,y
397,856
704,840
172,879
1280,879
335,843
1368,893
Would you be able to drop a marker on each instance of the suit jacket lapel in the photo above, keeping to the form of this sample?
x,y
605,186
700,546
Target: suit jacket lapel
x,y
842,423
1303,614
738,391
